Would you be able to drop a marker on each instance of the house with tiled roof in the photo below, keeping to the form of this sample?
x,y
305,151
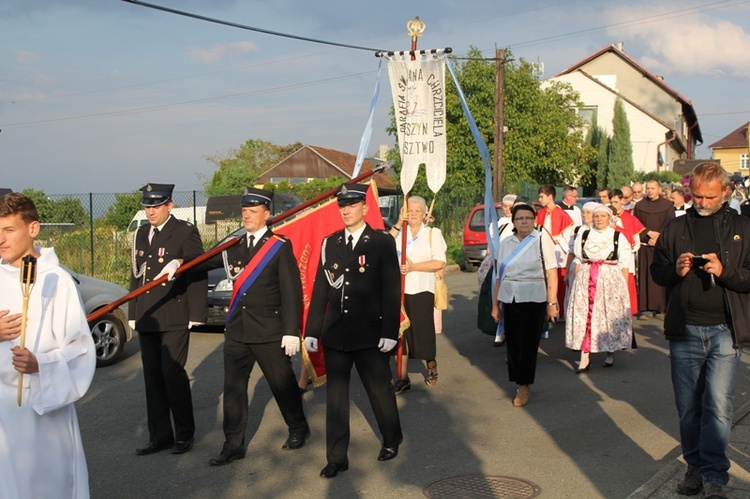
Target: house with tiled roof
x,y
732,151
663,124
313,162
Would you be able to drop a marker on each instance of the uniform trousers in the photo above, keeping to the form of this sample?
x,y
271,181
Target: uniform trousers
x,y
523,325
164,355
375,372
239,360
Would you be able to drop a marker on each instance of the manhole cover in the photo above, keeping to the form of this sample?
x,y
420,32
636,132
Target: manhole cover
x,y
478,486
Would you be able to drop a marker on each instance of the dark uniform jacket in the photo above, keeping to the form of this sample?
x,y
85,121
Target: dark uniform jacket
x,y
356,300
733,231
272,306
172,305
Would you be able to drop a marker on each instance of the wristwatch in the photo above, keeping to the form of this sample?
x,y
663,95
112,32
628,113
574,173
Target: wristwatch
x,y
551,303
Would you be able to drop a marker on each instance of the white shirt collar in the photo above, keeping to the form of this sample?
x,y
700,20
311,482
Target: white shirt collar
x,y
258,234
356,234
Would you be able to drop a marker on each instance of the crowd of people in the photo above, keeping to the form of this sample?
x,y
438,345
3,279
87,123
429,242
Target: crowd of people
x,y
595,267
679,256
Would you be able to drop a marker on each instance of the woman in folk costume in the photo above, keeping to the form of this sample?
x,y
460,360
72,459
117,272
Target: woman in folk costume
x,y
425,255
525,295
599,317
587,221
626,223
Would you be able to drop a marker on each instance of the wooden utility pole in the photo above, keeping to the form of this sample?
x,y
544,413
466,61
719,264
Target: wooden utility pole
x,y
497,184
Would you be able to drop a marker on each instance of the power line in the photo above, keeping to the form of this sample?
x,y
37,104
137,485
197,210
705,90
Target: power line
x,y
642,20
251,28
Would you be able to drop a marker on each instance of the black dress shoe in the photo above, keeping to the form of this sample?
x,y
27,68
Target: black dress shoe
x,y
401,385
333,469
226,457
387,453
153,448
182,446
296,440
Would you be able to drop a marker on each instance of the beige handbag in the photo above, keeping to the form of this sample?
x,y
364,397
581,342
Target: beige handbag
x,y
441,290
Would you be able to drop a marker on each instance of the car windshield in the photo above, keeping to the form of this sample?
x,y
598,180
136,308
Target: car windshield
x,y
477,219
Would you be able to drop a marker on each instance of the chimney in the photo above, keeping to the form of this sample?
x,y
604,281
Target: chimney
x,y
620,46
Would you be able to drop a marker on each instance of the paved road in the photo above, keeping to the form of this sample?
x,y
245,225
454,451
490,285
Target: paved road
x,y
603,434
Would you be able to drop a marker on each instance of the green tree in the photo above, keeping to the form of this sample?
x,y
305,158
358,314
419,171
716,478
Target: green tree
x,y
243,166
64,210
70,210
545,141
306,191
121,212
602,161
621,169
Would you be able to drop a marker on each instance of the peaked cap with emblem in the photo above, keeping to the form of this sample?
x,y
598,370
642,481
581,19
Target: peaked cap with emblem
x,y
256,197
156,194
351,193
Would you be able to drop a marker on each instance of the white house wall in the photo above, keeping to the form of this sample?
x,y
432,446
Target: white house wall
x,y
646,133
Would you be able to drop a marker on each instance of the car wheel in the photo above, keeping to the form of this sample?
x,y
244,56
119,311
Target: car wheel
x,y
109,338
469,266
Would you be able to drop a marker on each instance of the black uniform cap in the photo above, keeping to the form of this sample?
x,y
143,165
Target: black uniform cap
x,y
256,197
351,193
156,194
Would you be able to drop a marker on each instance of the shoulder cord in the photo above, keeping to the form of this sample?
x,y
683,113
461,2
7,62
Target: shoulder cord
x,y
338,282
225,259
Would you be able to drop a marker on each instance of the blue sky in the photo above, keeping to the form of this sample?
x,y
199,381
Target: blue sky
x,y
104,95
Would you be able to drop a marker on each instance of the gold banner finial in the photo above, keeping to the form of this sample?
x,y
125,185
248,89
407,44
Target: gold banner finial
x,y
415,27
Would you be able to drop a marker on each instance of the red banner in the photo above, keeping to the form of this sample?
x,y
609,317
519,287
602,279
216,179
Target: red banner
x,y
307,231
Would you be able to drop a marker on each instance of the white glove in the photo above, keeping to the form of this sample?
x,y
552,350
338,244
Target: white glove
x,y
192,324
169,270
131,325
290,344
386,344
311,344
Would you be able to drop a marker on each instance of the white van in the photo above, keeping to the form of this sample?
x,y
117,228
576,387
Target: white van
x,y
195,215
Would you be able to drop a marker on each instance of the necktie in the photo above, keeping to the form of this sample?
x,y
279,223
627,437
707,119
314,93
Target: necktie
x,y
251,241
350,245
154,231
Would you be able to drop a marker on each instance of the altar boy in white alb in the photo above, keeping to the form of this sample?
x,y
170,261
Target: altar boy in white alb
x,y
42,453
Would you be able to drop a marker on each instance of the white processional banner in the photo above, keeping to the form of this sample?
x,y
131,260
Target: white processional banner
x,y
418,89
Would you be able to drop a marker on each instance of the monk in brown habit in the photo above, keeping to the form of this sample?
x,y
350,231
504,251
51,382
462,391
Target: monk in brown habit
x,y
654,212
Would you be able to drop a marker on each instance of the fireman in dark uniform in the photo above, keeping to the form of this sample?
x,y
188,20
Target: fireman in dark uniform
x,y
263,326
354,312
163,317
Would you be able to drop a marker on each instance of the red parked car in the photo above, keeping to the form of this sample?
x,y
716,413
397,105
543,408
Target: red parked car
x,y
475,239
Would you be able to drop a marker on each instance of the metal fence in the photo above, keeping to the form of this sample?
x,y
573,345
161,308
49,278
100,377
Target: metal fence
x,y
81,229
90,239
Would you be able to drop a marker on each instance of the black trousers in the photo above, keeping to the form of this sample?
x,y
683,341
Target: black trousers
x,y
239,360
167,385
375,373
523,332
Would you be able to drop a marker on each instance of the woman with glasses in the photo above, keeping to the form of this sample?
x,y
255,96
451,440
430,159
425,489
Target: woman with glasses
x,y
598,315
525,296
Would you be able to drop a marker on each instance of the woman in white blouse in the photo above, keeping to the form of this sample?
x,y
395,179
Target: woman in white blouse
x,y
527,290
425,255
598,314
